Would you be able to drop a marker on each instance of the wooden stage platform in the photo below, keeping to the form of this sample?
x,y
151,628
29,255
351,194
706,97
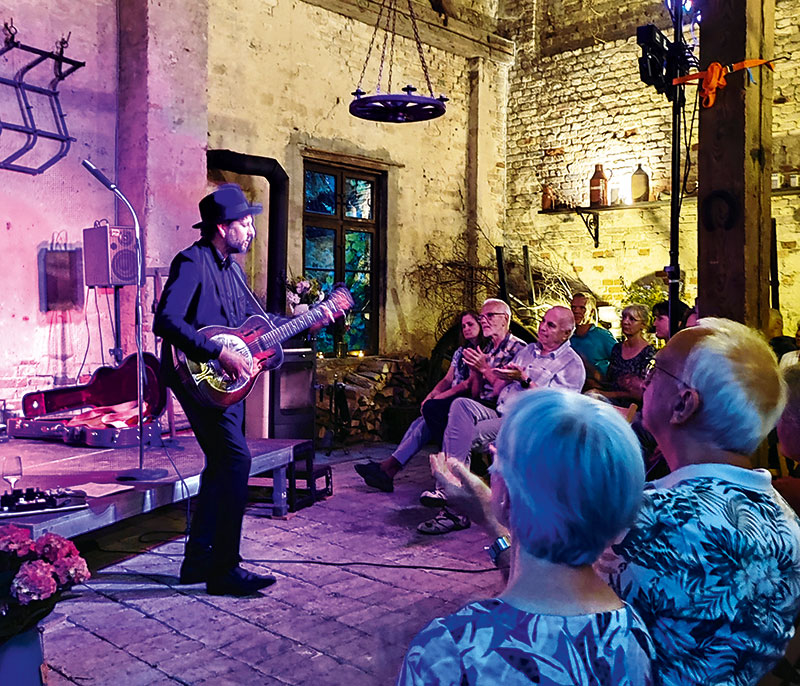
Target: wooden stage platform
x,y
48,465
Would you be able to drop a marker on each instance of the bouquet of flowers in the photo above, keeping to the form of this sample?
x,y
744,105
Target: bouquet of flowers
x,y
302,293
33,576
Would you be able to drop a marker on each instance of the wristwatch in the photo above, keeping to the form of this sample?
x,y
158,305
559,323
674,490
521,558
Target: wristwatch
x,y
500,544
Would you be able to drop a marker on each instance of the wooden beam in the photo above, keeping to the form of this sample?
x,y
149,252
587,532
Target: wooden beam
x,y
734,165
456,37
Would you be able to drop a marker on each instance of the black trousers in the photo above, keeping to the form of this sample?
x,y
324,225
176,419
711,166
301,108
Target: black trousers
x,y
216,526
435,414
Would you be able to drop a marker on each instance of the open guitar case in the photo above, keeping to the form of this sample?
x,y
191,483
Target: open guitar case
x,y
108,388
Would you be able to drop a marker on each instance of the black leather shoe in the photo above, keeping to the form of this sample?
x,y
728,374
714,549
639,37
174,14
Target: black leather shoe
x,y
238,582
374,476
194,570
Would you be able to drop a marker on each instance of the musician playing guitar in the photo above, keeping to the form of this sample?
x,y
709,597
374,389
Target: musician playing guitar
x,y
206,287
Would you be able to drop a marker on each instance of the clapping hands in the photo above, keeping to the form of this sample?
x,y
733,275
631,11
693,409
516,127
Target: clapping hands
x,y
466,492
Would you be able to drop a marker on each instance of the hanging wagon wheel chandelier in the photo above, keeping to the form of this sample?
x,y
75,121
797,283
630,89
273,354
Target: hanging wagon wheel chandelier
x,y
385,106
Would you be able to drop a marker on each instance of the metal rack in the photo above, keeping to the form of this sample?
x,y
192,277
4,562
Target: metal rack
x,y
27,128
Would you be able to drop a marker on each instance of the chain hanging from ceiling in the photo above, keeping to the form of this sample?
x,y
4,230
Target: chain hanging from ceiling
x,y
385,106
33,100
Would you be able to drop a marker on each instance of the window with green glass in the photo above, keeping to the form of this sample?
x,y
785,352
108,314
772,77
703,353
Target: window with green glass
x,y
342,244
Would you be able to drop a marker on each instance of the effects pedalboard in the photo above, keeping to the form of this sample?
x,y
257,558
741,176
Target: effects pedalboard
x,y
32,501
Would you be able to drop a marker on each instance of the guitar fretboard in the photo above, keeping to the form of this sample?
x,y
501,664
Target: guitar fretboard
x,y
291,328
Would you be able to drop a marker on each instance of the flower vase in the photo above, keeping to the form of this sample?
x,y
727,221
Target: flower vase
x,y
21,659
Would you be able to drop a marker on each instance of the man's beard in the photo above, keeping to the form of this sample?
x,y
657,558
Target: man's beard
x,y
237,246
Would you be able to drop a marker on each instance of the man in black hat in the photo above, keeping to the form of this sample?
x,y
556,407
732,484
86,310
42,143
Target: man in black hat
x,y
205,287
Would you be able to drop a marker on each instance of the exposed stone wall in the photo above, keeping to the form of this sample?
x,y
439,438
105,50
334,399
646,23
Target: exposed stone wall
x,y
275,92
278,77
575,101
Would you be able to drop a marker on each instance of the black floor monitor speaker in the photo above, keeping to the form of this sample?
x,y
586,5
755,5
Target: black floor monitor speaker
x,y
109,256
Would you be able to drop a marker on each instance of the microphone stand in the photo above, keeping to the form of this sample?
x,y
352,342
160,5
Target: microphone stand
x,y
140,474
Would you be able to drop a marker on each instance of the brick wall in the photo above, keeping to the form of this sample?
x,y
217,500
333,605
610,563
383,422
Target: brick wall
x,y
575,100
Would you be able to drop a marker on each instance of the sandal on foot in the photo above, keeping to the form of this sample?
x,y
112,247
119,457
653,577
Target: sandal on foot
x,y
444,523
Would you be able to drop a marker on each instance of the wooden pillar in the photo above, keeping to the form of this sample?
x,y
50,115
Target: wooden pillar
x,y
734,165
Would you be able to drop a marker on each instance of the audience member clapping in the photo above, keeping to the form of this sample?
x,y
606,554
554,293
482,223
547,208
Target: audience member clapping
x,y
454,384
567,479
712,561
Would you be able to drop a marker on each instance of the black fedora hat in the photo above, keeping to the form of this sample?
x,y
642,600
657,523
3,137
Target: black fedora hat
x,y
224,205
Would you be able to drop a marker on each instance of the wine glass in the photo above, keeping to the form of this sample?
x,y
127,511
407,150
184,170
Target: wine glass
x,y
12,470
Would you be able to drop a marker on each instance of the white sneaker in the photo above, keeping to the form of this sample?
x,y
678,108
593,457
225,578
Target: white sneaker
x,y
434,498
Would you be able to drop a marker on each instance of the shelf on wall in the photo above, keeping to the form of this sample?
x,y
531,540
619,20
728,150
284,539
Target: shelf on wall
x,y
591,219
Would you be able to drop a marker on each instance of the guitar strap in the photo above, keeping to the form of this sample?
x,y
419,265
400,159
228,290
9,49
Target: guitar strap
x,y
253,300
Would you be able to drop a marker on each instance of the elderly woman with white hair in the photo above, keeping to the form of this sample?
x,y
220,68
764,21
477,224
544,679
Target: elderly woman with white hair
x,y
567,478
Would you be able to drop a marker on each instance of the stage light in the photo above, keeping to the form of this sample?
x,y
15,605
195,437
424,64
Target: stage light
x,y
654,63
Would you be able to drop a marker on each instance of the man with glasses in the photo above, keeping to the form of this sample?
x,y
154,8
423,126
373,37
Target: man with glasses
x,y
495,320
712,562
549,362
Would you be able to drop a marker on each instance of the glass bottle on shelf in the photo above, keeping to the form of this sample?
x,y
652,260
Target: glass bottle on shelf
x,y
640,185
598,187
548,197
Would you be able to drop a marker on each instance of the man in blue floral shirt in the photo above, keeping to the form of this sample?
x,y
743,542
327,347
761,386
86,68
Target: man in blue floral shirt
x,y
712,563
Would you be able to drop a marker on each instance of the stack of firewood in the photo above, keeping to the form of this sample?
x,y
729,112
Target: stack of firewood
x,y
369,386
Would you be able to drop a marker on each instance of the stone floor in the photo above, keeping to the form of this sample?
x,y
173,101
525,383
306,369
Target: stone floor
x,y
328,621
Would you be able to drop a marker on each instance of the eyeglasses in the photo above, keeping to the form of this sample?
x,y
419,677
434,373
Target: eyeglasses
x,y
489,315
650,370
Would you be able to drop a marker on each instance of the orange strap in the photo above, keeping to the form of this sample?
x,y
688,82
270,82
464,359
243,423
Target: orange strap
x,y
713,78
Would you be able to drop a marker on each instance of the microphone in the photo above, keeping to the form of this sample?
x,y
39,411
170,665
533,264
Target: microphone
x,y
102,178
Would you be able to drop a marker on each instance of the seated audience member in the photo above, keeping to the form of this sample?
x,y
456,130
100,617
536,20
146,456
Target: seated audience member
x,y
661,318
592,343
720,587
689,320
495,319
455,383
629,359
549,362
792,357
788,430
566,479
780,344
712,561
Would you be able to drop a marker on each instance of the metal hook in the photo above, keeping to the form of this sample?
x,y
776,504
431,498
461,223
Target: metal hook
x,y
10,30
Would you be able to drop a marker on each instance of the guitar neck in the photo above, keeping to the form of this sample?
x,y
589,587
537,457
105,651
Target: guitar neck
x,y
293,327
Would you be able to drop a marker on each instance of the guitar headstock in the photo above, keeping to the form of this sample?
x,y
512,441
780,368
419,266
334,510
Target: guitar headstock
x,y
339,301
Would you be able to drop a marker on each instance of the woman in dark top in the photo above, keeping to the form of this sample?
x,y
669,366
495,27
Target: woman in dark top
x,y
430,426
629,359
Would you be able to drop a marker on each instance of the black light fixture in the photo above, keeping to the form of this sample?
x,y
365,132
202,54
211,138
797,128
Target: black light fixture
x,y
385,106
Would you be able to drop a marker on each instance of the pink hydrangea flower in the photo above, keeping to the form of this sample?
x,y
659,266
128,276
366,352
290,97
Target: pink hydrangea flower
x,y
71,569
303,287
34,581
14,539
52,547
